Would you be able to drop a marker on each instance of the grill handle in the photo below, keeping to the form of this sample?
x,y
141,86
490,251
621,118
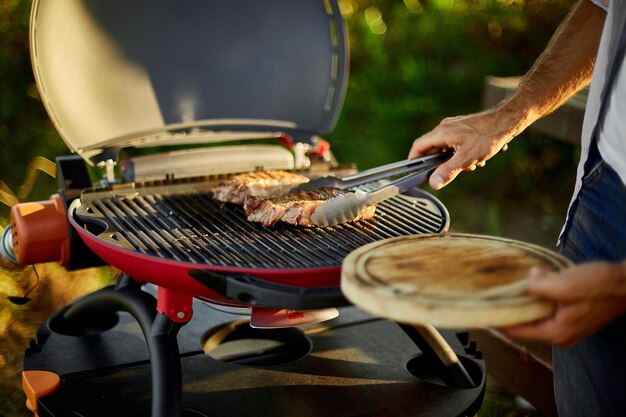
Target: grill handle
x,y
257,292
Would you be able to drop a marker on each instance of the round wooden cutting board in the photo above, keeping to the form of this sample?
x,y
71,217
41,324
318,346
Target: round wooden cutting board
x,y
448,280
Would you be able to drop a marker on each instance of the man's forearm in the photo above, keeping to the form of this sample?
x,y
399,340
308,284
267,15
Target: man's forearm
x,y
564,67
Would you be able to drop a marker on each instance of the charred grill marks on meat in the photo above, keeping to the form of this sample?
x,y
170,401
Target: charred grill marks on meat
x,y
235,189
294,208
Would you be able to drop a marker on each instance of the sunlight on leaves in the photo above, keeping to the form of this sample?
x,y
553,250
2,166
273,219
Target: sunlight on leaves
x,y
375,21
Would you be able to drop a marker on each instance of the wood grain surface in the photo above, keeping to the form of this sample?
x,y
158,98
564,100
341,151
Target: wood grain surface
x,y
448,280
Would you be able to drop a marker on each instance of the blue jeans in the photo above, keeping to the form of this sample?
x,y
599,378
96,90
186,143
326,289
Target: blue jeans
x,y
590,378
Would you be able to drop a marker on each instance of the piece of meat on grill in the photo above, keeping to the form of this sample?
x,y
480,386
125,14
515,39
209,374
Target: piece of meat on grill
x,y
236,188
294,208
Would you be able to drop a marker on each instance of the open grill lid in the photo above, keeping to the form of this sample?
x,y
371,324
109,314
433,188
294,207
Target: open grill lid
x,y
116,73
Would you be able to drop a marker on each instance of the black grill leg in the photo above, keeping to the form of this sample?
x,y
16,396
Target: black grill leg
x,y
158,330
167,385
434,346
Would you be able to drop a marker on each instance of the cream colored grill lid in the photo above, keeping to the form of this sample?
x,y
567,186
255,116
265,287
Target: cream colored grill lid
x,y
116,73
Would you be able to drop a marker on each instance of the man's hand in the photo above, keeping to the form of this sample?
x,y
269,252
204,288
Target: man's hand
x,y
588,297
474,138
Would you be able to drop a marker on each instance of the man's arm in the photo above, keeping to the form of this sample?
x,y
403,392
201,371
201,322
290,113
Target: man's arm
x,y
563,68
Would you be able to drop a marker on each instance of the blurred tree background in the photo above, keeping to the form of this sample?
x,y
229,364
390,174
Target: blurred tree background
x,y
413,62
25,130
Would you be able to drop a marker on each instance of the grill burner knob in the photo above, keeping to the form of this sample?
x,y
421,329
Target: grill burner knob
x,y
40,232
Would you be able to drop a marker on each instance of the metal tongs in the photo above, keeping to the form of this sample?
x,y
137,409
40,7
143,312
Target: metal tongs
x,y
349,206
375,174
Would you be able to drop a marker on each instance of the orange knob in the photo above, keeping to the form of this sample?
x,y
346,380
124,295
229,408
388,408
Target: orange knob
x,y
37,384
41,232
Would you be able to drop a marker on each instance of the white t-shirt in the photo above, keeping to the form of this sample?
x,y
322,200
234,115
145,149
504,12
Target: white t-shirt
x,y
612,134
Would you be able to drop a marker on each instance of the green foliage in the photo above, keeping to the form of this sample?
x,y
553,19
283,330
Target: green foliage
x,y
429,62
25,130
415,62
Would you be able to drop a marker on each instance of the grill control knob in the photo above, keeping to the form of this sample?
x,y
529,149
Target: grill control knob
x,y
40,232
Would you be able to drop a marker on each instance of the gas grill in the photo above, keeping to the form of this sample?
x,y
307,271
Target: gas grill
x,y
117,77
173,239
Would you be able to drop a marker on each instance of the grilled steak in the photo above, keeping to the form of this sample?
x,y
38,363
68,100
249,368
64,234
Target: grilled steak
x,y
294,208
235,189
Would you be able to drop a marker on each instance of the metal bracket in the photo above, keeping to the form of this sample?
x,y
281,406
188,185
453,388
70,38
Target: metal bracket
x,y
254,291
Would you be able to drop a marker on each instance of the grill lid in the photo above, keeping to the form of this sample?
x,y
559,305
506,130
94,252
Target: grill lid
x,y
116,73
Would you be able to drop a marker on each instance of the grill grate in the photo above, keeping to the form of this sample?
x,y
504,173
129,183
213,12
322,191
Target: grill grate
x,y
196,229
